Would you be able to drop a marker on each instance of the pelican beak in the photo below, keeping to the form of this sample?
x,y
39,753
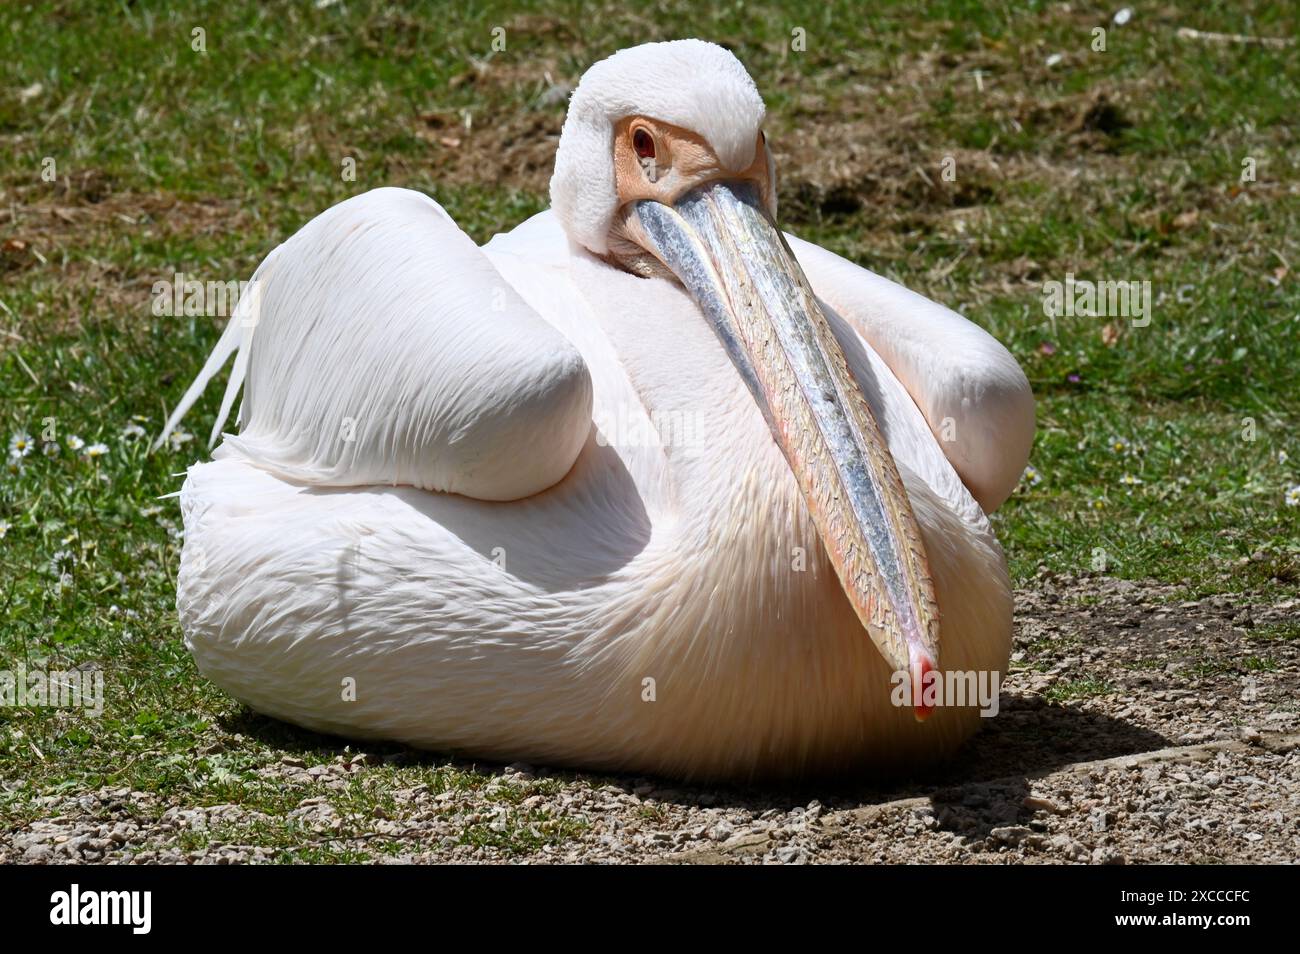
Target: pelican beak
x,y
729,254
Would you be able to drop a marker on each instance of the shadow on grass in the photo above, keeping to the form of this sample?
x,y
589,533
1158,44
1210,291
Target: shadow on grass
x,y
980,789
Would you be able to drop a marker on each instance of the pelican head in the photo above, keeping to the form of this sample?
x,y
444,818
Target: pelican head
x,y
663,169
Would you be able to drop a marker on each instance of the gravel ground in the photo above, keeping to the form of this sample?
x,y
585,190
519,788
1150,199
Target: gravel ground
x,y
1133,729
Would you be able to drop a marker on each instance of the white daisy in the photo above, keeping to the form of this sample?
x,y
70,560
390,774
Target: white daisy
x,y
1293,496
75,443
133,432
96,450
21,444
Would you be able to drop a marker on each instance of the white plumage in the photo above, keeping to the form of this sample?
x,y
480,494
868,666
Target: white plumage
x,y
441,522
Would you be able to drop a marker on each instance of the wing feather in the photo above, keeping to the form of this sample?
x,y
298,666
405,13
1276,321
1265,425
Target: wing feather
x,y
379,345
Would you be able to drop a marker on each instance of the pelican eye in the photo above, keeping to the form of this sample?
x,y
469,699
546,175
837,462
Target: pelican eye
x,y
643,143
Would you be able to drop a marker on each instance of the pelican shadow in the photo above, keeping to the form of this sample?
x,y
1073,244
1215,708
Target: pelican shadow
x,y
981,788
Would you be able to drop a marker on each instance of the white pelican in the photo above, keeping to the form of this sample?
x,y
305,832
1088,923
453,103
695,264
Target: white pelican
x,y
445,519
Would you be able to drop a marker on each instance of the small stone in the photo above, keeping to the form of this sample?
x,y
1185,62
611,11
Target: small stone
x,y
1010,835
38,854
1067,846
1040,803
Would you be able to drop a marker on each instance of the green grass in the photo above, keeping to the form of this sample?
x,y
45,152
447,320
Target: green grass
x,y
1078,689
1280,632
1242,667
172,160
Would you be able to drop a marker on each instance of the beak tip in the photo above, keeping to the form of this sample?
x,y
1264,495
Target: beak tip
x,y
922,666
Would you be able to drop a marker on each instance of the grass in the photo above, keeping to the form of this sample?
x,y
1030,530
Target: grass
x,y
1242,667
1078,689
1280,632
1164,452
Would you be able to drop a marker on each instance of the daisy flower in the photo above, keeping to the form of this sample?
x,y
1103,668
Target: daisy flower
x,y
75,443
1293,496
179,437
50,448
4,528
1128,480
133,432
96,450
1118,445
20,445
1031,476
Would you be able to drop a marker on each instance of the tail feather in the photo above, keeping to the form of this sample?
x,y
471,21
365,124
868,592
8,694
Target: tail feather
x,y
232,388
233,340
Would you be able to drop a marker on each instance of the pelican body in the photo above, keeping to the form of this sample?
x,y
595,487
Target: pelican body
x,y
644,484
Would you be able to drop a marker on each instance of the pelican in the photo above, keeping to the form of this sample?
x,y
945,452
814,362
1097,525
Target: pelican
x,y
643,485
